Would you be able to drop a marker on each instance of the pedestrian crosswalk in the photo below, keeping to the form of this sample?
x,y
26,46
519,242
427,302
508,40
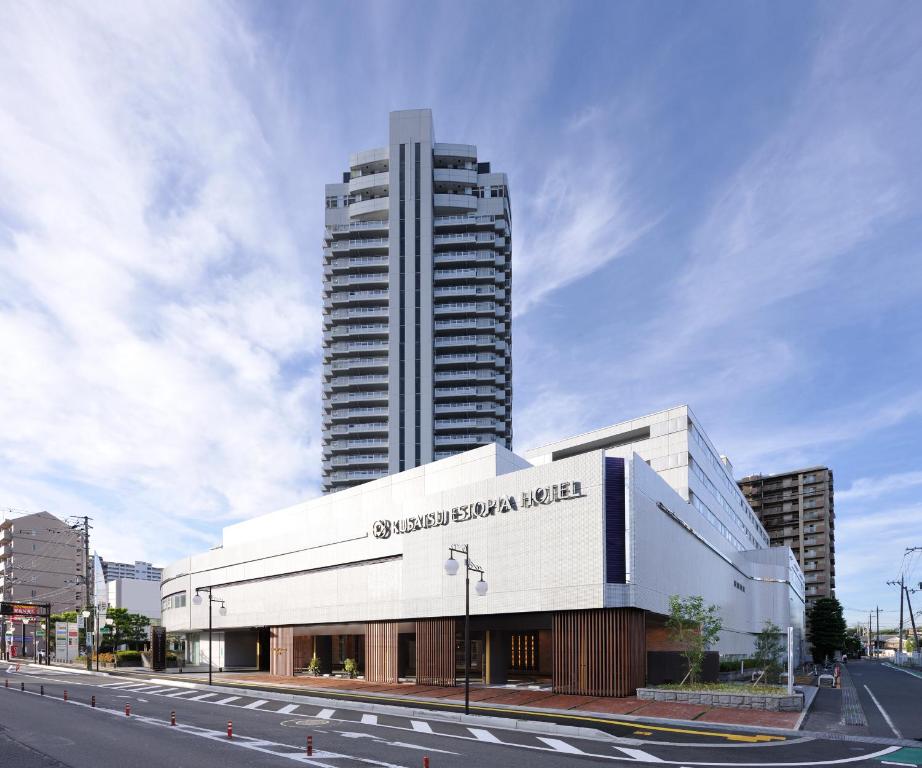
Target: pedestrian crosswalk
x,y
352,717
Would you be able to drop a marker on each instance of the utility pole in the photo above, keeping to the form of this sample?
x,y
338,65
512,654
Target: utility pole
x,y
902,587
84,522
869,635
877,641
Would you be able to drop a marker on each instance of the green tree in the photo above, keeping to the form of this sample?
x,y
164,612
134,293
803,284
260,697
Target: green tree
x,y
693,627
130,628
827,628
769,649
910,644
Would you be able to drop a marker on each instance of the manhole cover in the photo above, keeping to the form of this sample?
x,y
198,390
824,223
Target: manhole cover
x,y
306,723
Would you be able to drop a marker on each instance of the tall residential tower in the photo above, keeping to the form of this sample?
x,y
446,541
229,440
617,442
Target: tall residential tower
x,y
797,509
417,350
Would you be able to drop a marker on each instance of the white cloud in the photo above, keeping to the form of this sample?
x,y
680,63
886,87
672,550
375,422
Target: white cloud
x,y
158,330
875,487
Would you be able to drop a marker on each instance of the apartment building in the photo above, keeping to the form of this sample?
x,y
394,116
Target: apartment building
x,y
797,509
139,570
42,560
417,346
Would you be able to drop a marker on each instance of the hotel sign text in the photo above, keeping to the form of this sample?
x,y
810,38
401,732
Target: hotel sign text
x,y
543,495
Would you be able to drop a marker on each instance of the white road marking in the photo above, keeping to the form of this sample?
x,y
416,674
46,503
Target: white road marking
x,y
146,688
288,708
178,693
421,726
905,765
370,719
639,754
228,700
883,711
255,704
326,714
561,746
482,735
202,697
161,691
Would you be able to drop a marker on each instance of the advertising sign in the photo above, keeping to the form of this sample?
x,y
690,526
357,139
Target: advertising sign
x,y
60,641
21,609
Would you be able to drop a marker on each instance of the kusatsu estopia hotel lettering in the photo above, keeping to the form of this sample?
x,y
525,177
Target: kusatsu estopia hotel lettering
x,y
543,495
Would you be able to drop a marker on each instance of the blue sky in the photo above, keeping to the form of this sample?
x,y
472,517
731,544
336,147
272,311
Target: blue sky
x,y
714,203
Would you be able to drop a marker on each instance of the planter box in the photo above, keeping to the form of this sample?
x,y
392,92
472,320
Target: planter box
x,y
742,700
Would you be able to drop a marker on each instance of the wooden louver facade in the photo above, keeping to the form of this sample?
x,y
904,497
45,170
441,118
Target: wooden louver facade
x,y
435,652
381,652
281,651
600,652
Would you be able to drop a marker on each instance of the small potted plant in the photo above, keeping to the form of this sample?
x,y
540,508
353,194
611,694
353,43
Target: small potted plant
x,y
314,667
351,668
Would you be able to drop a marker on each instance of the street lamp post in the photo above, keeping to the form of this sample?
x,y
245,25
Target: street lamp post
x,y
89,654
197,600
451,568
24,622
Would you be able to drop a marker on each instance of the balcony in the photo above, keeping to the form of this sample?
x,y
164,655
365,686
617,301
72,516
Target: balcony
x,y
360,330
369,181
490,425
359,279
359,297
481,409
376,208
469,374
446,202
464,439
359,460
460,151
357,363
370,379
452,291
366,428
360,226
351,262
362,475
464,342
348,347
340,446
467,220
466,308
358,313
352,398
344,414
467,257
459,176
469,358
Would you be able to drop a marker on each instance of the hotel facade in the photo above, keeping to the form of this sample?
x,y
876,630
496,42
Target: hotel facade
x,y
582,542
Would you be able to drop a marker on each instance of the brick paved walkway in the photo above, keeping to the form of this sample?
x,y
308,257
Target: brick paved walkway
x,y
528,699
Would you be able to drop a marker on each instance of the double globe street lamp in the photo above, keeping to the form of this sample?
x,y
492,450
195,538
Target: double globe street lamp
x,y
197,600
451,568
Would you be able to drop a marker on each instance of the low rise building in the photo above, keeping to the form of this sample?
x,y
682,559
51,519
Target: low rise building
x,y
582,544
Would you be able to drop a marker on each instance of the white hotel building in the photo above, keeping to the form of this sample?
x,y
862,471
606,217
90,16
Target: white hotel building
x,y
417,346
582,543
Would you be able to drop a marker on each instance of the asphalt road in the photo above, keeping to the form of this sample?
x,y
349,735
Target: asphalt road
x,y
891,699
44,731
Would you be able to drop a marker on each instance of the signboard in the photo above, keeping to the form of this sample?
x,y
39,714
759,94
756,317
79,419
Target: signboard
x,y
492,507
21,609
66,635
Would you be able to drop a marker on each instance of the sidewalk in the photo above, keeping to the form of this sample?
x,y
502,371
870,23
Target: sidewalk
x,y
497,699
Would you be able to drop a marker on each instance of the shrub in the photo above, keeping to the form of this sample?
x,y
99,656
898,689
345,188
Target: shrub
x,y
129,657
314,667
351,667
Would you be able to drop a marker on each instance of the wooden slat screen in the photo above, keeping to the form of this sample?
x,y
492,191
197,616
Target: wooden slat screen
x,y
435,652
381,652
303,651
281,651
599,652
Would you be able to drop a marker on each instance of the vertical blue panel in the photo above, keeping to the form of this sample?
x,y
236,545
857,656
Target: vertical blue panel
x,y
614,521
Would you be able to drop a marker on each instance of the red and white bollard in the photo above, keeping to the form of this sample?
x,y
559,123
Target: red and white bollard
x,y
92,701
230,729
65,694
310,745
173,717
128,710
426,761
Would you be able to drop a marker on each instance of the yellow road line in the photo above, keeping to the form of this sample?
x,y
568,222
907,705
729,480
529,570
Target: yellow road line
x,y
754,738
